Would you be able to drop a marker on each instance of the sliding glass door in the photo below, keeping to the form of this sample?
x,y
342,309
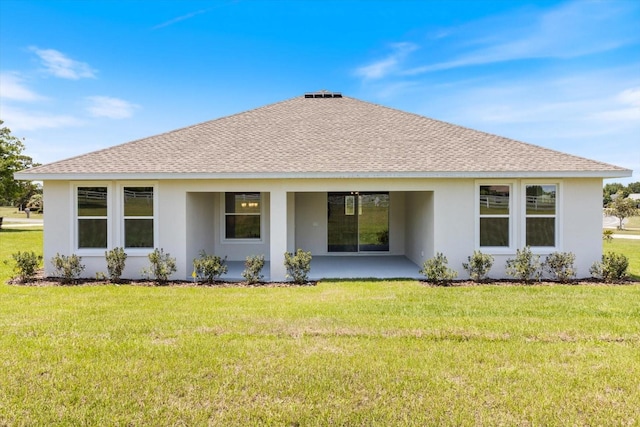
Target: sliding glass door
x,y
358,222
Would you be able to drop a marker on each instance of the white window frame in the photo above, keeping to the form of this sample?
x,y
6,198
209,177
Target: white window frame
x,y
558,216
223,222
512,216
123,218
75,229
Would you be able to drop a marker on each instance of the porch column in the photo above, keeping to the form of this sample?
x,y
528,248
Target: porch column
x,y
278,234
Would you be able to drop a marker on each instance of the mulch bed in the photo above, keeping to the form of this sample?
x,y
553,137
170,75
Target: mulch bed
x,y
42,281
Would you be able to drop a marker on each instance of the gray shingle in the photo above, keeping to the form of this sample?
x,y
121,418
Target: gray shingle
x,y
322,136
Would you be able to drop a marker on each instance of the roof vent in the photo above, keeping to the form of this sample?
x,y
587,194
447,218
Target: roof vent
x,y
323,94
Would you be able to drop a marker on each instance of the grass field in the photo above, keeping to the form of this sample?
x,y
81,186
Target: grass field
x,y
344,353
11,212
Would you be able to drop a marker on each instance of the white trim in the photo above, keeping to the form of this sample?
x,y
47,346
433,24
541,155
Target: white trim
x,y
557,216
513,215
223,221
34,176
74,218
121,217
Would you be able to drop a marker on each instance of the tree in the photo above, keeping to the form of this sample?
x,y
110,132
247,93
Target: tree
x,y
634,187
12,160
610,189
622,207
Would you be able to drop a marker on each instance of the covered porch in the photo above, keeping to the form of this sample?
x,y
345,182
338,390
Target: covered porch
x,y
351,234
343,267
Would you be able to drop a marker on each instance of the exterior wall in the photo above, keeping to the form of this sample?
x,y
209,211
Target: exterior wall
x,y
419,226
57,224
454,221
426,216
202,218
582,222
311,222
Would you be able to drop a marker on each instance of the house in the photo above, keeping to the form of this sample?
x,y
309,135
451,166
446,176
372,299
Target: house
x,y
351,181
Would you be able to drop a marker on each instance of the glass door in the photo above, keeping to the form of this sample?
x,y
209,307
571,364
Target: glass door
x,y
358,222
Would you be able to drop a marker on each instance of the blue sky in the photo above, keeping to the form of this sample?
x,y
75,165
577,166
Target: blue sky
x,y
77,76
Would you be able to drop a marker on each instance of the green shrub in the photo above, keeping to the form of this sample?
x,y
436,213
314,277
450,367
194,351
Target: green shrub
x,y
68,268
478,266
298,265
435,270
116,258
560,266
162,266
607,235
525,266
208,268
612,267
253,266
26,265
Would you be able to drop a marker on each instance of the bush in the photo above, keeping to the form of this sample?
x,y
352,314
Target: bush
x,y
162,266
612,267
607,235
478,266
560,266
435,270
252,268
26,265
67,267
208,268
116,258
526,266
298,265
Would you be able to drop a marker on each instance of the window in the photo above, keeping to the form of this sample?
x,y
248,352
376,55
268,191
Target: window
x,y
92,213
138,217
494,208
541,215
242,215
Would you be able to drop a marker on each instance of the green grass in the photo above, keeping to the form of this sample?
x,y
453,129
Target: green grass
x,y
340,353
631,249
17,240
11,212
631,226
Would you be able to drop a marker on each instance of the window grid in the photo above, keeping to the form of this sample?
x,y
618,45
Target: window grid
x,y
138,217
494,215
92,217
242,214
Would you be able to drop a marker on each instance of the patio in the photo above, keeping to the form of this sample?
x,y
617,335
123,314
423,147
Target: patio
x,y
344,267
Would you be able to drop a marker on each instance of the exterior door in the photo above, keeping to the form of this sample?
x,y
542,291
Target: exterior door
x,y
358,222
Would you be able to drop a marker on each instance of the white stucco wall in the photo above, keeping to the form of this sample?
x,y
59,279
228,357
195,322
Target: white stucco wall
x,y
582,221
426,216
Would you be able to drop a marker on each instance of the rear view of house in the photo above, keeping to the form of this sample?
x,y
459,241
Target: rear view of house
x,y
348,180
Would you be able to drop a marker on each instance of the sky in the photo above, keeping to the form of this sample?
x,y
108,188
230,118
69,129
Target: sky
x,y
77,76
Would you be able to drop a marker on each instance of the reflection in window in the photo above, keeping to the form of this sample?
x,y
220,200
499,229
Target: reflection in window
x,y
242,215
541,215
494,204
92,212
138,217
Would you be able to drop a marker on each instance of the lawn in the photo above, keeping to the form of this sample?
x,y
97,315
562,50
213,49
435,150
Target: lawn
x,y
631,249
11,212
345,353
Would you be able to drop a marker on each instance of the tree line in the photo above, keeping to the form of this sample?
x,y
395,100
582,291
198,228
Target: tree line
x,y
12,159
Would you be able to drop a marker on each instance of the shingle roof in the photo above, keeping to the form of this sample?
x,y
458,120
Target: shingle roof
x,y
323,137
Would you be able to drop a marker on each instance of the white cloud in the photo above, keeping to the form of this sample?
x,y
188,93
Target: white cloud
x,y
625,109
570,30
58,64
20,120
383,67
179,19
12,87
112,108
